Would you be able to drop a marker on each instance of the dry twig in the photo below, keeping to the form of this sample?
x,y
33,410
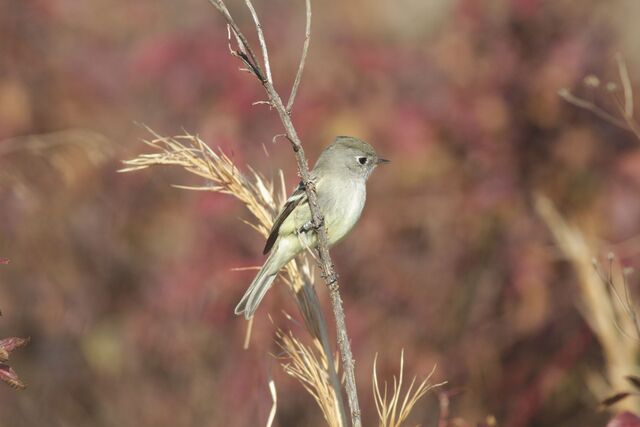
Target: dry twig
x,y
245,53
623,102
303,57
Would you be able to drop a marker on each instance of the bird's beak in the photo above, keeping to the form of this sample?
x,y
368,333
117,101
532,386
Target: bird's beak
x,y
383,161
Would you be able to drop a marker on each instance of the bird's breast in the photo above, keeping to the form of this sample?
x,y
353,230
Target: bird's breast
x,y
343,207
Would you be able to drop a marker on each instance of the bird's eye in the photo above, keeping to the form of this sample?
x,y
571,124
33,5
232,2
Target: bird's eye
x,y
362,160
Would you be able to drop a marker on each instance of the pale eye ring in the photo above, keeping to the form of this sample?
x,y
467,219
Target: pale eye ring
x,y
362,160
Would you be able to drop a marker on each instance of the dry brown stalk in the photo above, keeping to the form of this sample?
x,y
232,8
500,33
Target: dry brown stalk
x,y
303,57
245,53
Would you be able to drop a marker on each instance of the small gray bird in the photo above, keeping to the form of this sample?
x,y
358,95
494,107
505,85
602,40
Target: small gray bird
x,y
340,176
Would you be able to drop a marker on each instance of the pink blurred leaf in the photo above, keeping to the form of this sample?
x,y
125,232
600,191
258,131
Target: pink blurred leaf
x,y
9,376
624,419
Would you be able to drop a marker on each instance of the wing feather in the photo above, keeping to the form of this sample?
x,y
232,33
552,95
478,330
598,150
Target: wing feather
x,y
299,196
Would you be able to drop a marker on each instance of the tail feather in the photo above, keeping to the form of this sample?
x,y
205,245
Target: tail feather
x,y
256,292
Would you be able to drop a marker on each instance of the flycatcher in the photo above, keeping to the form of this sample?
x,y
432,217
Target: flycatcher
x,y
340,176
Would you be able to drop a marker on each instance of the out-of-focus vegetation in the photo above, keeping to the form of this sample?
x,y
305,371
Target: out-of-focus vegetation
x,y
124,284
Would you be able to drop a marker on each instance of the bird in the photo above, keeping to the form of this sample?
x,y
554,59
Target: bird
x,y
339,175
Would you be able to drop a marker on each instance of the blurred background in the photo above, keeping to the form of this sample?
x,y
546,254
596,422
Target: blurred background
x,y
125,284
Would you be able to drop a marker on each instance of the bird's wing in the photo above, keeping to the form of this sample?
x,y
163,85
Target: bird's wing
x,y
299,197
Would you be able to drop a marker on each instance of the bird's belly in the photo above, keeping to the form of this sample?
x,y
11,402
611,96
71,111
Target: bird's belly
x,y
346,211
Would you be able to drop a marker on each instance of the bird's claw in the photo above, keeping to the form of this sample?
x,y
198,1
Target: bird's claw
x,y
306,227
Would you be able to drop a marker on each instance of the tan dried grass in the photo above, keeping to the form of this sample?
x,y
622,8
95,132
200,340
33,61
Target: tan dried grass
x,y
394,409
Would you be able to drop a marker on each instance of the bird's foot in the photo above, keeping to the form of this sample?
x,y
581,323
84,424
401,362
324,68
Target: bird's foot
x,y
306,227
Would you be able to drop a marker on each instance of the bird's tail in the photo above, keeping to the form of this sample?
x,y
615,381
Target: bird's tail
x,y
258,289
